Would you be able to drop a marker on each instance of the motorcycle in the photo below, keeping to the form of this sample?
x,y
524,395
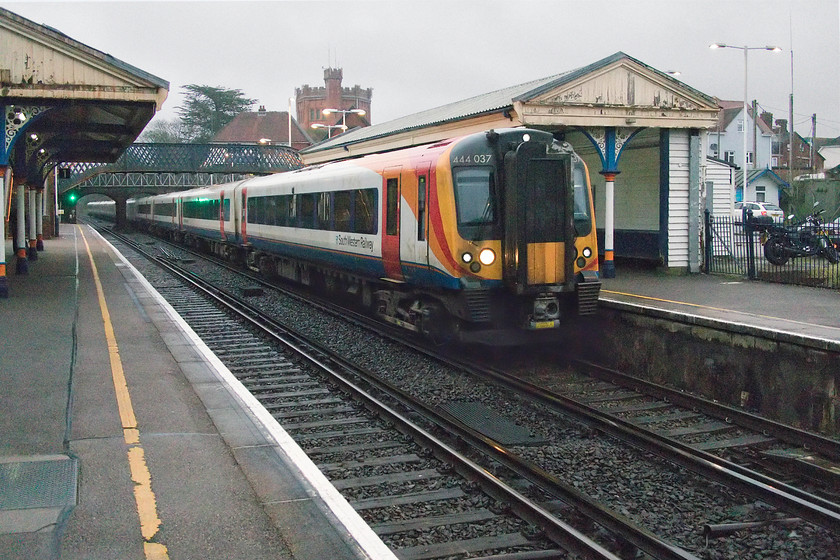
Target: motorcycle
x,y
805,239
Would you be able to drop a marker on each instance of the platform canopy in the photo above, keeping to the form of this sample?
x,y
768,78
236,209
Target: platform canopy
x,y
617,91
64,101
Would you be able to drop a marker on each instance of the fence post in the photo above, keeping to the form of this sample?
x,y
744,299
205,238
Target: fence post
x,y
707,240
749,232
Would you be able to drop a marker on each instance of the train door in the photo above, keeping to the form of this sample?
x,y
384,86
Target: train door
x,y
223,216
414,223
539,219
391,219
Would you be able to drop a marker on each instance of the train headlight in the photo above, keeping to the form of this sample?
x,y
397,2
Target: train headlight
x,y
487,257
467,258
587,252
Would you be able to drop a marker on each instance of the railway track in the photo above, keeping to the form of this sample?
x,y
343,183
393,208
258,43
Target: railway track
x,y
408,484
538,481
606,406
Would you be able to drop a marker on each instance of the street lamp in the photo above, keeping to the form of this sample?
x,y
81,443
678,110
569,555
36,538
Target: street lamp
x,y
746,50
329,127
328,112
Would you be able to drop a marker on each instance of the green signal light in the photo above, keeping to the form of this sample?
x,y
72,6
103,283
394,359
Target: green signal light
x,y
72,198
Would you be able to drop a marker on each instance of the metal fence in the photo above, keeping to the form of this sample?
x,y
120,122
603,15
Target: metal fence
x,y
733,246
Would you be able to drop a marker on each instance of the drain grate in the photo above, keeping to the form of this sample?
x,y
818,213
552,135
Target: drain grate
x,y
44,481
492,424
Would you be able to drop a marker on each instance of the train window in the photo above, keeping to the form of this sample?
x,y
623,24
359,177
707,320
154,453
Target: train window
x,y
474,203
421,208
583,223
342,206
226,210
365,211
284,206
544,192
324,213
272,210
253,210
165,209
307,210
392,201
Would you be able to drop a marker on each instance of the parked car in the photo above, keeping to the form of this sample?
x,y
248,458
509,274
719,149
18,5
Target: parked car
x,y
763,212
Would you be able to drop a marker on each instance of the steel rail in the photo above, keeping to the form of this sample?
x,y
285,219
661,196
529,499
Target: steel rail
x,y
555,528
772,491
789,434
560,532
780,495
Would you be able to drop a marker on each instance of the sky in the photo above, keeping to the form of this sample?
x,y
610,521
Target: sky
x,y
420,54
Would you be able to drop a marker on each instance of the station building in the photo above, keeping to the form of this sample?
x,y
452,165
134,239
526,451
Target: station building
x,y
62,101
641,132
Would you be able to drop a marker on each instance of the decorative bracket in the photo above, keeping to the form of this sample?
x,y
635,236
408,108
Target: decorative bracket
x,y
610,141
16,120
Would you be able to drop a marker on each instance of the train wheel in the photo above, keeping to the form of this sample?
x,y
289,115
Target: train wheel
x,y
438,325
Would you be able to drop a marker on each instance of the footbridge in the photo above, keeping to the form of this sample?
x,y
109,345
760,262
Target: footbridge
x,y
153,168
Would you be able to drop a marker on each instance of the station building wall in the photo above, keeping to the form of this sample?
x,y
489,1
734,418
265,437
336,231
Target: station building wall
x,y
644,199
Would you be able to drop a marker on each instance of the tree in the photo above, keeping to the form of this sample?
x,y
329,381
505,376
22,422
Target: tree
x,y
169,132
207,109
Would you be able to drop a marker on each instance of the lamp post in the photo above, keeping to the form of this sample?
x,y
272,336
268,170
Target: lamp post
x,y
291,100
329,127
328,112
746,50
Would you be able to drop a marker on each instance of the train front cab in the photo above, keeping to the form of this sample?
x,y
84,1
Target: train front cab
x,y
549,246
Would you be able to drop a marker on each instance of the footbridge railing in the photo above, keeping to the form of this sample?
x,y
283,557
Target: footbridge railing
x,y
157,165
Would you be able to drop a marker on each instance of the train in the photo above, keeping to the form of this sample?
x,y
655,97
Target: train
x,y
487,237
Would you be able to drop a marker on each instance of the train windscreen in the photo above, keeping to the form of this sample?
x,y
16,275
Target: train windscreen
x,y
475,202
583,219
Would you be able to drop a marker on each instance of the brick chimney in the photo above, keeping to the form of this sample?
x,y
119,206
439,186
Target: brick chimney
x,y
767,118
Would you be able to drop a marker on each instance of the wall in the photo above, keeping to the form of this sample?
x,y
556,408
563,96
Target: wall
x,y
787,382
636,193
723,191
678,199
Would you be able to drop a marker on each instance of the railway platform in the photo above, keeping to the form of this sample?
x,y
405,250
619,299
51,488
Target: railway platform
x,y
121,439
783,312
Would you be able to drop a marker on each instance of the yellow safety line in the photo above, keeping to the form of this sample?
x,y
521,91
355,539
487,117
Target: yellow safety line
x,y
672,301
143,494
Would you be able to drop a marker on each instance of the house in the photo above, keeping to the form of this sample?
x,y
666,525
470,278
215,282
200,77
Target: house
x,y
805,160
264,127
726,140
763,185
829,150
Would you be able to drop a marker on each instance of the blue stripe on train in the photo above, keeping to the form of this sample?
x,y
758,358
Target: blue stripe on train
x,y
215,234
